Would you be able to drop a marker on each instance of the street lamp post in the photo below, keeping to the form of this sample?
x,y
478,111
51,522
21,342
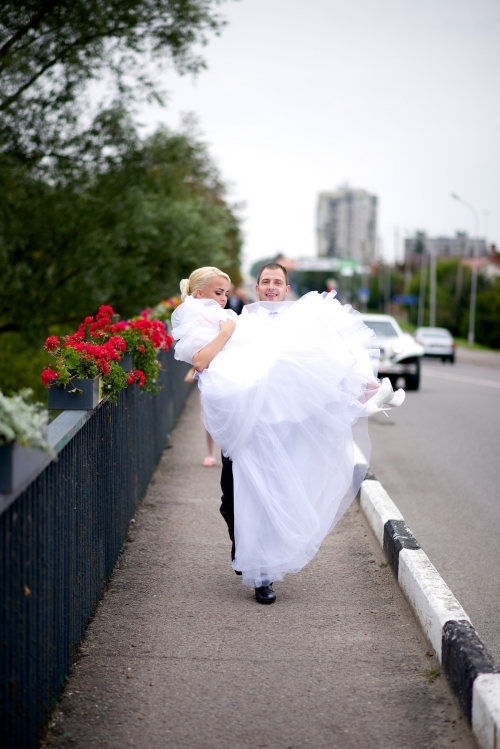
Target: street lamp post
x,y
421,295
473,286
432,290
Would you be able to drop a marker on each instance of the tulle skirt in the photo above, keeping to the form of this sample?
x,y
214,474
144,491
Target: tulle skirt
x,y
285,401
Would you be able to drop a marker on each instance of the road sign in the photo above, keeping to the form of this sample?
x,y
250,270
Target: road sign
x,y
406,300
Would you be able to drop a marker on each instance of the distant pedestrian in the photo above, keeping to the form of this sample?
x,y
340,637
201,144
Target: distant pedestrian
x,y
235,302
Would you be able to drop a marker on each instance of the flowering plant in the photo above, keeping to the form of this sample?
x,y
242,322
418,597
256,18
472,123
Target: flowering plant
x,y
145,338
142,338
100,343
163,310
23,422
91,350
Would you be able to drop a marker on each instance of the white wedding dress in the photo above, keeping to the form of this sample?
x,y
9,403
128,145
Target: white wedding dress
x,y
284,399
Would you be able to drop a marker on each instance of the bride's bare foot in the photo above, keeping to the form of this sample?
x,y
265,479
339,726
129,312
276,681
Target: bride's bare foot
x,y
209,462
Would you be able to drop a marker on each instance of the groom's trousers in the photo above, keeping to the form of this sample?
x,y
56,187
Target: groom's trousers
x,y
227,499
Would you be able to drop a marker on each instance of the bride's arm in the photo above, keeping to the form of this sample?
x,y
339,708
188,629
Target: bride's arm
x,y
202,358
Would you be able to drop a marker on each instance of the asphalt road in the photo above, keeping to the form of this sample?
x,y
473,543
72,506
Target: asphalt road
x,y
438,458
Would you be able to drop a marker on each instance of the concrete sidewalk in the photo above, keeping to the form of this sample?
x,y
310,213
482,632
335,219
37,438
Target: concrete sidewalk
x,y
179,654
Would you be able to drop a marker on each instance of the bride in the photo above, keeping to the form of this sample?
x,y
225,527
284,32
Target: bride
x,y
286,390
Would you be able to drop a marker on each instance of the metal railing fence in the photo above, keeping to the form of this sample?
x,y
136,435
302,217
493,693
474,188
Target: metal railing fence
x,y
59,541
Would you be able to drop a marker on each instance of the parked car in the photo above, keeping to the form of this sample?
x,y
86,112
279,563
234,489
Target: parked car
x,y
437,342
400,353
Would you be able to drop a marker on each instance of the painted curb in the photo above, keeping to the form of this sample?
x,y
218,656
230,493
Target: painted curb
x,y
469,668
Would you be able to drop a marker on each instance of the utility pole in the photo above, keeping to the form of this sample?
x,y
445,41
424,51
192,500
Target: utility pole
x,y
421,296
387,289
432,296
458,284
473,285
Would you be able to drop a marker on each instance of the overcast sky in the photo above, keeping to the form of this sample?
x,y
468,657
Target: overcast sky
x,y
399,97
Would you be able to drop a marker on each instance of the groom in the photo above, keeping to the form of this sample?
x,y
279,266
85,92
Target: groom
x,y
272,286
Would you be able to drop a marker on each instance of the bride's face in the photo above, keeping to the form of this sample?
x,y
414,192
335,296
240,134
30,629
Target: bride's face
x,y
217,288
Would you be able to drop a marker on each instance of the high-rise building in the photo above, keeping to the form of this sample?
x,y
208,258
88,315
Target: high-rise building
x,y
347,225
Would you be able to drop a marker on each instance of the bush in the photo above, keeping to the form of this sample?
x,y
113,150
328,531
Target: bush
x,y
488,316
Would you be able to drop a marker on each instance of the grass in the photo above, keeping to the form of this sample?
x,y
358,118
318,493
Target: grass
x,y
462,343
431,674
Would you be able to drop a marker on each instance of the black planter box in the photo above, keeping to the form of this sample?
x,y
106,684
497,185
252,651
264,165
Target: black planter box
x,y
17,465
62,398
127,362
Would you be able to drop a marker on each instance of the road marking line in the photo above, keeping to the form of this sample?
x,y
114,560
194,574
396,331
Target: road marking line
x,y
463,378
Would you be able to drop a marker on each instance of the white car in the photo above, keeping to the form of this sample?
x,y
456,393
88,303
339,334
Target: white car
x,y
437,342
400,353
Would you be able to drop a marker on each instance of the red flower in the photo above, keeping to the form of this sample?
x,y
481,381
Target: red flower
x,y
110,351
141,349
168,342
74,339
88,320
103,366
48,375
118,327
52,343
104,311
136,376
118,342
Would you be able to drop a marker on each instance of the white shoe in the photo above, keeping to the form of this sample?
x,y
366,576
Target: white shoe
x,y
384,399
398,398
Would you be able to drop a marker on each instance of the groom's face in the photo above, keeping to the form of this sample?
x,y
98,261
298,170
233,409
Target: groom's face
x,y
272,286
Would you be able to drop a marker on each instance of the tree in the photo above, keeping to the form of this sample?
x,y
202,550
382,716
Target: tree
x,y
51,49
123,236
91,214
488,314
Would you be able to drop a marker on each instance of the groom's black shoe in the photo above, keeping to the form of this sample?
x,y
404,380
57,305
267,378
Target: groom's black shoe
x,y
233,554
265,594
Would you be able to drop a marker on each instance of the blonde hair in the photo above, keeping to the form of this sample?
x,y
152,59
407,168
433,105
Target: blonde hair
x,y
199,279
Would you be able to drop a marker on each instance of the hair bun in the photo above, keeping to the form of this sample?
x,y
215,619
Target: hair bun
x,y
184,287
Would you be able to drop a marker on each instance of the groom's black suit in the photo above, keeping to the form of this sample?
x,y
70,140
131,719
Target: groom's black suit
x,y
226,478
227,499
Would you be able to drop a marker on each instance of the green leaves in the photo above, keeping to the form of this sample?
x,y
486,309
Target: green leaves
x,y
51,49
114,381
123,233
90,214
